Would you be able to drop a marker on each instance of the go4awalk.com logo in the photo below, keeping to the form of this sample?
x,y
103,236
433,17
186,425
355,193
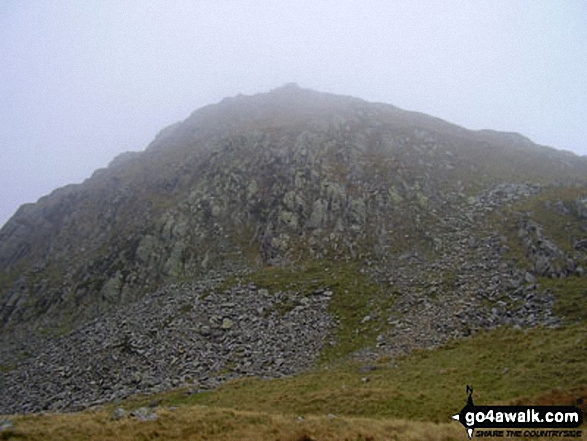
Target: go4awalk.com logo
x,y
519,421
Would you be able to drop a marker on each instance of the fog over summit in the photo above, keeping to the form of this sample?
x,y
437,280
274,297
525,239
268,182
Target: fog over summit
x,y
270,231
82,83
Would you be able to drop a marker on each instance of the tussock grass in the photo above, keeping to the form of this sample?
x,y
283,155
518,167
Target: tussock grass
x,y
200,423
427,385
410,398
570,297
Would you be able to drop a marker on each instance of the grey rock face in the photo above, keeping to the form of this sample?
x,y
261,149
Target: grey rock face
x,y
468,287
277,177
548,259
123,270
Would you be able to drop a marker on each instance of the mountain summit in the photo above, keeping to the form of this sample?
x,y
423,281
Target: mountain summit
x,y
295,179
264,179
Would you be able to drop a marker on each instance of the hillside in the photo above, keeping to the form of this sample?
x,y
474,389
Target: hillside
x,y
268,234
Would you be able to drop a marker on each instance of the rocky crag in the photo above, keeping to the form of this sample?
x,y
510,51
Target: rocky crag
x,y
144,277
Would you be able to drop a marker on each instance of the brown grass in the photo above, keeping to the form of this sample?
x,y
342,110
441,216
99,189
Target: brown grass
x,y
201,423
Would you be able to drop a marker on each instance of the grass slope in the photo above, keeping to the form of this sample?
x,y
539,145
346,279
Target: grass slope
x,y
199,423
571,297
354,296
427,385
411,398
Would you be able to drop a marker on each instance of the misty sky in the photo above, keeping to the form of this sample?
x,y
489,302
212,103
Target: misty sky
x,y
83,81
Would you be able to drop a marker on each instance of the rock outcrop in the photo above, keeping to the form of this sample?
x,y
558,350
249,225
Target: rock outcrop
x,y
272,178
113,286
